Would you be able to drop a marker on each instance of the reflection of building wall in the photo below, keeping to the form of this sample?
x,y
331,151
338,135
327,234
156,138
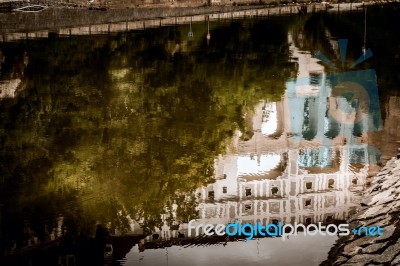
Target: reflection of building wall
x,y
333,109
282,187
321,132
314,206
298,194
314,185
295,196
310,116
304,208
317,152
259,143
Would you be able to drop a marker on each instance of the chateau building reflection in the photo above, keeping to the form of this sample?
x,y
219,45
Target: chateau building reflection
x,y
296,163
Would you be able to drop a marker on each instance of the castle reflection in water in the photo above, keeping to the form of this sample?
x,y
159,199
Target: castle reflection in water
x,y
291,168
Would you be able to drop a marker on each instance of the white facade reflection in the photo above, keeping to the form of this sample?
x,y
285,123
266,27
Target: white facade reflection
x,y
300,164
270,119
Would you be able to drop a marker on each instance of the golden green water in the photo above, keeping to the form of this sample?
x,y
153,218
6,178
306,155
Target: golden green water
x,y
125,129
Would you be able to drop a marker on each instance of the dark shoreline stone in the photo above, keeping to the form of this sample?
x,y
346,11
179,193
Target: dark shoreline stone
x,y
382,209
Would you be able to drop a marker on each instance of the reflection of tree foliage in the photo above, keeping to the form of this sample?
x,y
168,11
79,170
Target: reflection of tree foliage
x,y
309,130
333,129
109,129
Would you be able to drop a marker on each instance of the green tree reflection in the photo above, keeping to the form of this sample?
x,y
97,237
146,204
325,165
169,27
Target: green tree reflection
x,y
107,129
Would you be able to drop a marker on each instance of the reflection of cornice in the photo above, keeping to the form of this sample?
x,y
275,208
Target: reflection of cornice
x,y
294,207
271,175
232,199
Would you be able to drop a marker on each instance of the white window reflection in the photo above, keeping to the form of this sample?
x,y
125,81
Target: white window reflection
x,y
257,165
270,119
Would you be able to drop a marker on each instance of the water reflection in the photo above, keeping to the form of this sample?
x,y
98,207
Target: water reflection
x,y
141,132
291,166
275,251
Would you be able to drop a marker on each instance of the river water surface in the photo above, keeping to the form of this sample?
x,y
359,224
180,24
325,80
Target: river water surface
x,y
117,141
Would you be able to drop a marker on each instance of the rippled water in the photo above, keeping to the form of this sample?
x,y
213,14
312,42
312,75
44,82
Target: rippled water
x,y
139,132
308,250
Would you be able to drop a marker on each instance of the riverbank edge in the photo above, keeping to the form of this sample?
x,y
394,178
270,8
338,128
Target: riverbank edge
x,y
380,206
56,18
